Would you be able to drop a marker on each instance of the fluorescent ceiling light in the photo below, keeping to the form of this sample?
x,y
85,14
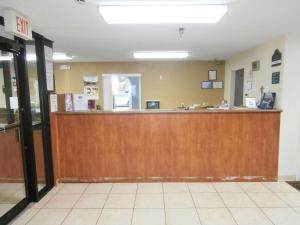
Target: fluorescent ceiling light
x,y
59,56
6,57
163,13
31,57
160,55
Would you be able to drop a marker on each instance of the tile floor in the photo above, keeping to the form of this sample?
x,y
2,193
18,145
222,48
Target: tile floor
x,y
11,194
166,204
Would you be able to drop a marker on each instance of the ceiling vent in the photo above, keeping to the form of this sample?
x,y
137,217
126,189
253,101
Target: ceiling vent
x,y
80,1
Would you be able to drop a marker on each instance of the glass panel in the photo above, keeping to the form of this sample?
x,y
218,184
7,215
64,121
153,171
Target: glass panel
x,y
36,114
12,187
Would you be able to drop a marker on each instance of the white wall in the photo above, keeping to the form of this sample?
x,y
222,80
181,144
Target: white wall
x,y
288,93
263,77
289,155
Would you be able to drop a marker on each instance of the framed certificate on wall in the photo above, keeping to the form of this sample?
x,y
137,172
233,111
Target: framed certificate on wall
x,y
217,84
206,85
212,75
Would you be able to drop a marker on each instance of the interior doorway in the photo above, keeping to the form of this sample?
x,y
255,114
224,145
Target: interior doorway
x,y
239,87
121,91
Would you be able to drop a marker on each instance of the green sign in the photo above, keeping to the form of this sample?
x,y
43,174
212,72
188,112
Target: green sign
x,y
275,77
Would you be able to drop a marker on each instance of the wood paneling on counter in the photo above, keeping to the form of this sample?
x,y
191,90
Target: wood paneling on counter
x,y
164,146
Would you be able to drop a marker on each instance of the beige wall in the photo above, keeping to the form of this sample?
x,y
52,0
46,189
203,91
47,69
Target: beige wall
x,y
181,81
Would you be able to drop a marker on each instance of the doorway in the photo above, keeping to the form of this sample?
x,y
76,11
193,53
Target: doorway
x,y
239,88
26,172
12,172
121,91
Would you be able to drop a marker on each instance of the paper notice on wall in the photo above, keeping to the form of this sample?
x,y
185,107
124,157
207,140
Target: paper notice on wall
x,y
91,91
14,103
49,76
53,103
49,68
48,53
80,102
248,85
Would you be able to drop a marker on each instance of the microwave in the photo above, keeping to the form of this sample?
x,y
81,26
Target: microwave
x,y
152,104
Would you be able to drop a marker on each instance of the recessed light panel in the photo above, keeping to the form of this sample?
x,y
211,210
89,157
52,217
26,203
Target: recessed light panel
x,y
160,55
164,13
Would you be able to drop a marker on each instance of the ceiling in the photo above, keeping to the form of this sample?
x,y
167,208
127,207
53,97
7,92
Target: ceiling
x,y
79,30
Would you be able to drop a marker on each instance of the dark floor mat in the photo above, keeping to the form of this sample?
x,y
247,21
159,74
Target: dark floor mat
x,y
295,184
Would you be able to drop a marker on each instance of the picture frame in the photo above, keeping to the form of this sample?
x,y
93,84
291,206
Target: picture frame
x,y
206,85
217,84
212,74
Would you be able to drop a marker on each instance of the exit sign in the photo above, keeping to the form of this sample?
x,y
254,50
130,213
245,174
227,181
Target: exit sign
x,y
17,24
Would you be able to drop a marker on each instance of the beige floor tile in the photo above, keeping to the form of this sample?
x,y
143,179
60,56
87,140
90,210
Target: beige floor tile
x,y
297,210
82,217
178,201
237,200
24,217
120,201
61,201
254,187
282,216
279,187
201,187
215,216
150,188
149,217
292,199
149,201
124,188
115,217
55,189
209,200
228,187
76,188
267,200
175,188
91,201
42,202
49,217
182,216
98,188
249,216
4,208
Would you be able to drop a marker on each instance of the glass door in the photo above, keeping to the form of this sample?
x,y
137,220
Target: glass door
x,y
36,115
12,180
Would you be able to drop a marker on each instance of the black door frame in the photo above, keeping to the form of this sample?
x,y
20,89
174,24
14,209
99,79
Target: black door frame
x,y
18,48
40,43
19,61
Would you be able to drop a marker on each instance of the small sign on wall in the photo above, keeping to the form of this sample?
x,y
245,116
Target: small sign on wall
x,y
276,78
276,58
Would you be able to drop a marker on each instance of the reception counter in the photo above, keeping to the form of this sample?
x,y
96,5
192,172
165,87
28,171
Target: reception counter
x,y
165,145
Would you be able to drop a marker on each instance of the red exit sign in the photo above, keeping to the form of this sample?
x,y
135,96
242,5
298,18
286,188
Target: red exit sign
x,y
17,24
22,25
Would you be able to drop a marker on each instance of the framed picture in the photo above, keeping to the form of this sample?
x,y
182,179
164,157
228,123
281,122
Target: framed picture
x,y
256,66
217,84
206,85
212,75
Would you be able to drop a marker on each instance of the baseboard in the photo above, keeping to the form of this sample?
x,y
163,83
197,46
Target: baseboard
x,y
287,178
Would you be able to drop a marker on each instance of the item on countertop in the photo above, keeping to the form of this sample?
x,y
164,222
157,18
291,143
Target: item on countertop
x,y
251,103
267,100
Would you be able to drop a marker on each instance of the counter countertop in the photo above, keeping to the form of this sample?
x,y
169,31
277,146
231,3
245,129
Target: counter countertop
x,y
145,111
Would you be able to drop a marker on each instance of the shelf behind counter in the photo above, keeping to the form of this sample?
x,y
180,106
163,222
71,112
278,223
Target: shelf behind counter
x,y
165,145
